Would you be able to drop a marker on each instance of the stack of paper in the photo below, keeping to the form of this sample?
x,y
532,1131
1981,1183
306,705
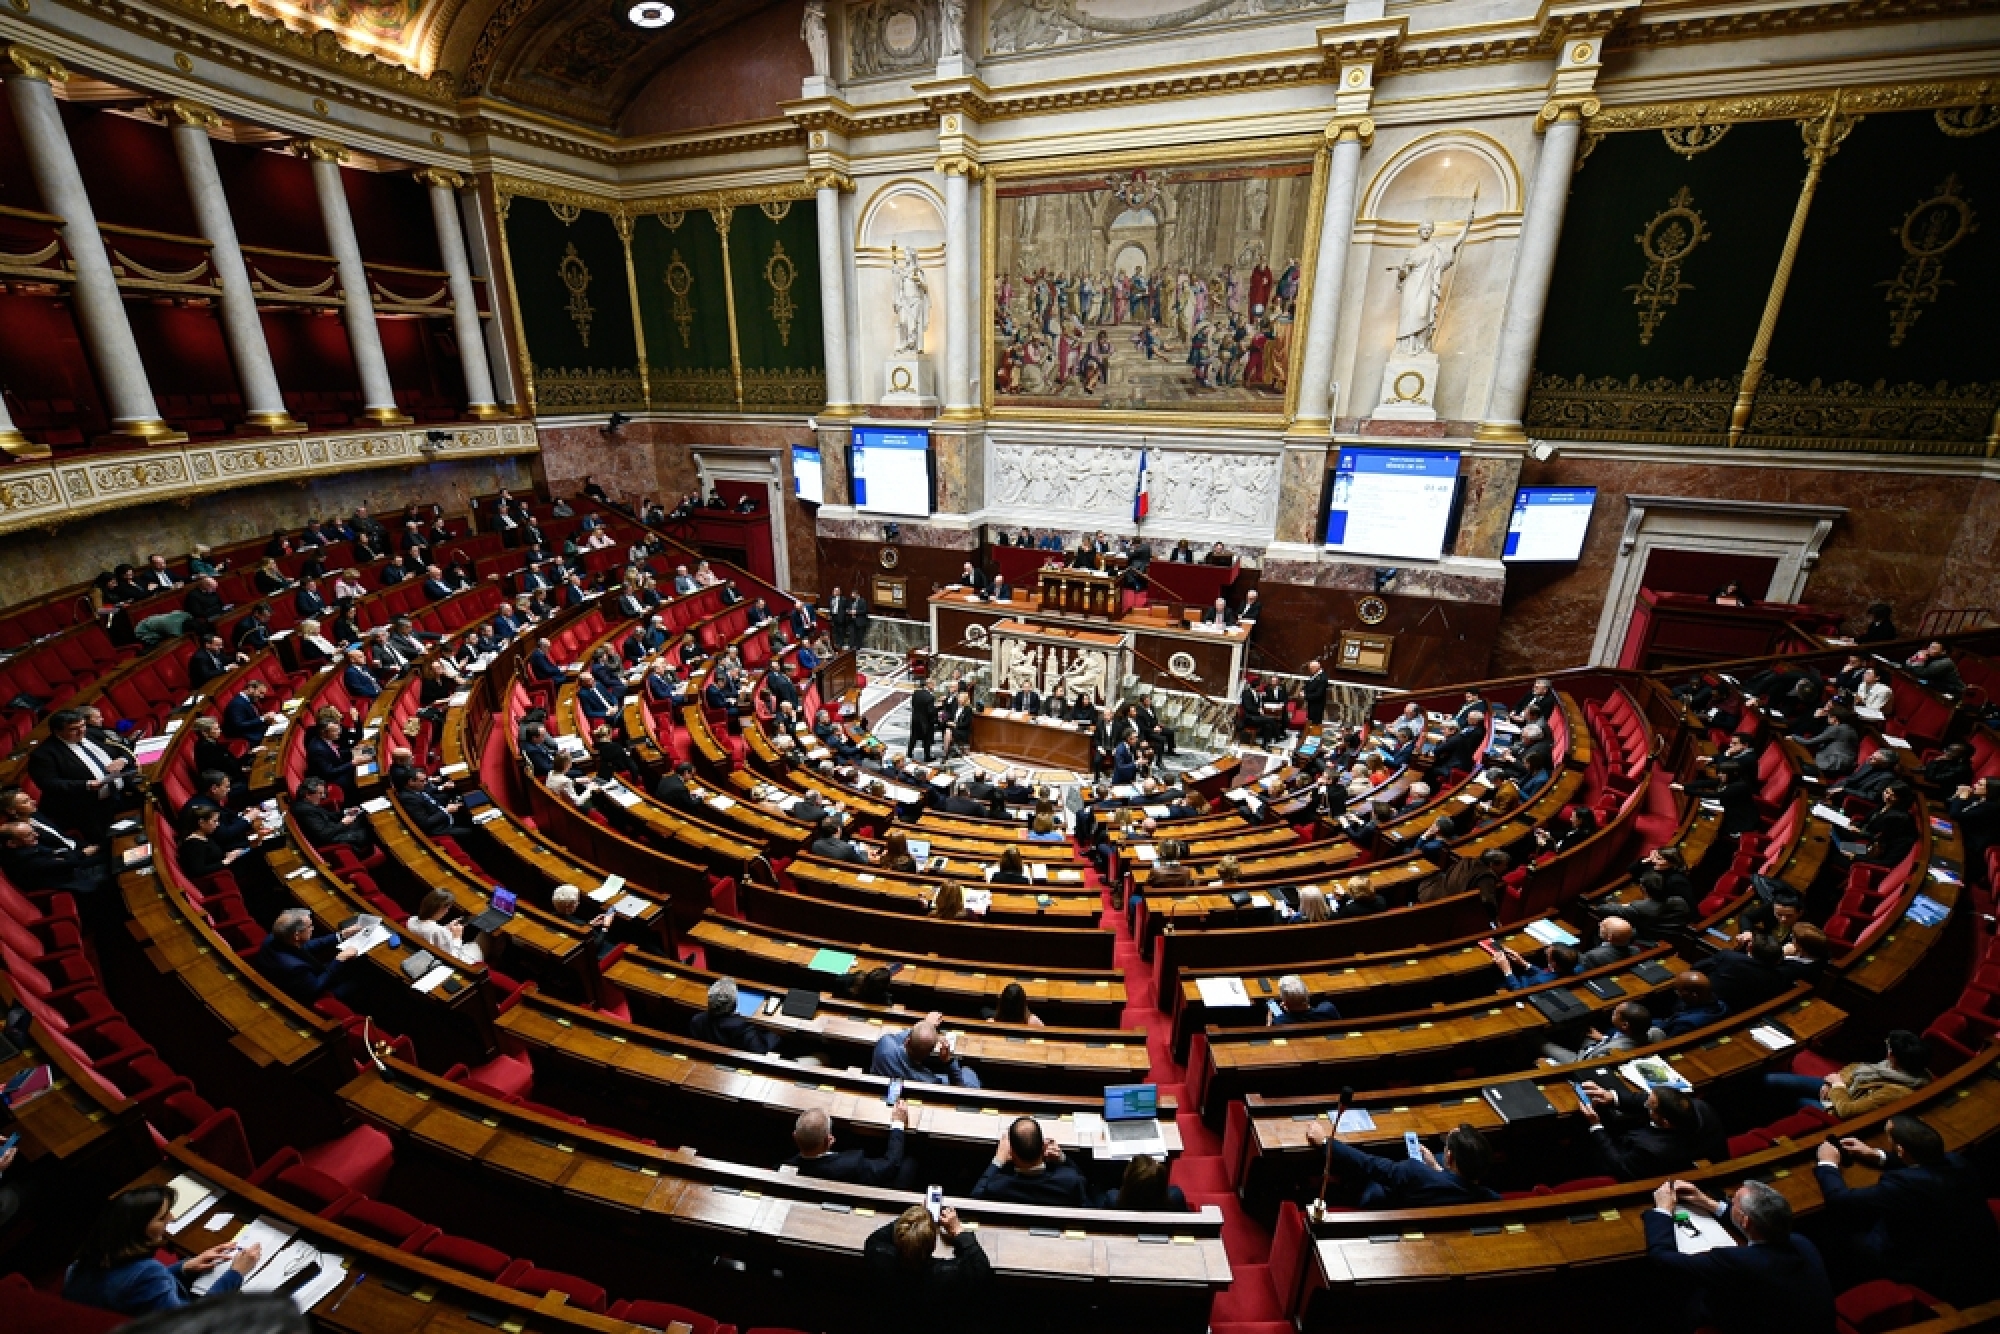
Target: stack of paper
x,y
1222,992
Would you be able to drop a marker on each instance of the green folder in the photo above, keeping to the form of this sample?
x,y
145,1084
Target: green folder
x,y
836,962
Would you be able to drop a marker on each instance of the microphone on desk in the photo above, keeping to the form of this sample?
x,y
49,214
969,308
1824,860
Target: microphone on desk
x,y
368,1045
1318,1209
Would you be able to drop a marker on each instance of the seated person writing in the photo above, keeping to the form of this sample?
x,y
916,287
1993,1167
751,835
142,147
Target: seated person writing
x,y
1413,1183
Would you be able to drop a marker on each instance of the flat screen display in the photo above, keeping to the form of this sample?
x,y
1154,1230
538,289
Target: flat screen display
x,y
1392,502
806,474
1549,522
892,471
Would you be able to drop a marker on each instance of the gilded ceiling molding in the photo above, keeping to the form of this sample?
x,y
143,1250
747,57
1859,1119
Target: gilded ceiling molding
x,y
182,111
37,65
1666,30
322,47
509,187
441,177
1927,96
830,180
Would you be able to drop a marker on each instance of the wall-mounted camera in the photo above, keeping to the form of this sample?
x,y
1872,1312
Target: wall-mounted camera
x,y
615,425
1384,576
892,532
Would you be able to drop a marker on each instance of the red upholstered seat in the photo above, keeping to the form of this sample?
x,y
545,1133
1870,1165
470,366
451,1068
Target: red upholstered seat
x,y
221,1141
384,1222
308,1187
1800,1124
33,1312
504,1076
462,1253
582,1293
659,1315
1879,1306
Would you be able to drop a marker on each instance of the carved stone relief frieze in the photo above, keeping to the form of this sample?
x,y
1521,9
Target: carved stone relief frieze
x,y
891,37
1032,25
1098,483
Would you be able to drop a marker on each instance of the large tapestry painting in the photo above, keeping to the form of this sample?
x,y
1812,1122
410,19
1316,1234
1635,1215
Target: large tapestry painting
x,y
1167,289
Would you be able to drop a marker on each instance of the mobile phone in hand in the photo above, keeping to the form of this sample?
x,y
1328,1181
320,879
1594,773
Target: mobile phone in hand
x,y
1412,1146
934,1201
895,1093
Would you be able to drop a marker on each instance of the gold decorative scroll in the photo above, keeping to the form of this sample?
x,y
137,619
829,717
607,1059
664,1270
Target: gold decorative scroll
x,y
780,272
567,214
286,289
436,299
575,276
1969,94
10,260
1667,241
160,275
672,219
1929,231
776,209
680,282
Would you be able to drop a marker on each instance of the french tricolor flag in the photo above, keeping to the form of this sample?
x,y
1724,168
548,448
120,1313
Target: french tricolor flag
x,y
1142,502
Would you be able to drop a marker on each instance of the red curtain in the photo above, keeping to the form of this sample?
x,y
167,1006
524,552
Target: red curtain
x,y
1703,572
44,369
271,198
392,219
131,170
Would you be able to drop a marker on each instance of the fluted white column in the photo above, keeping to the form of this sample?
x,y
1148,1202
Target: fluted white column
x,y
100,308
1534,269
444,186
378,395
263,400
833,296
959,316
1336,233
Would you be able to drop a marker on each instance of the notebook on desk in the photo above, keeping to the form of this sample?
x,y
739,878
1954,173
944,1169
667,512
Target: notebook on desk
x,y
1132,1121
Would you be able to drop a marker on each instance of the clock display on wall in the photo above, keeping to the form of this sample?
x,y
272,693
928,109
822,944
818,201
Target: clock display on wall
x,y
1372,610
888,557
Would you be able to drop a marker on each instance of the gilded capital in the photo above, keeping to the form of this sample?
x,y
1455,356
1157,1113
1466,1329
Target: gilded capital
x,y
830,180
958,164
440,178
37,65
1576,107
321,150
183,111
1355,129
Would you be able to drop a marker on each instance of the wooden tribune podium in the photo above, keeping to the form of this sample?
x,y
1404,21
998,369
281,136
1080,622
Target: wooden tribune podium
x,y
1079,592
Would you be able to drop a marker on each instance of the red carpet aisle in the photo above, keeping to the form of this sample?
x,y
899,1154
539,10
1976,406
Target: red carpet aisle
x,y
1251,1304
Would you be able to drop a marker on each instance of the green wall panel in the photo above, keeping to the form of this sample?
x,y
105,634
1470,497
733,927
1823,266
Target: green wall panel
x,y
576,312
677,259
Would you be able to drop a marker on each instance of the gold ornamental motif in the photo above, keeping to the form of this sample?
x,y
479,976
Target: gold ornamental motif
x,y
1690,140
1965,122
776,209
1929,231
1667,241
780,273
680,281
566,213
672,219
575,275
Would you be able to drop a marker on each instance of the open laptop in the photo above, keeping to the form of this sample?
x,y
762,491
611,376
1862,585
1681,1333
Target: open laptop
x,y
1132,1121
495,917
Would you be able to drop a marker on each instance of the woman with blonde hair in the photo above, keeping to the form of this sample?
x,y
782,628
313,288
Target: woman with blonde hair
x,y
949,905
896,852
1312,905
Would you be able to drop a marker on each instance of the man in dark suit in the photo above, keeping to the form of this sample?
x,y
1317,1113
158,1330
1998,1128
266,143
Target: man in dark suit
x,y
534,579
1775,1284
308,601
1219,614
1027,1169
598,704
958,723
1124,764
721,1025
204,601
783,689
360,682
542,667
253,632
243,718
307,966
812,1135
674,791
1252,718
1000,590
1412,1183
435,588
435,819
801,620
395,572
973,579
1314,691
323,826
537,750
210,661
1924,1222
1634,1137
1028,701
830,845
35,864
923,719
857,619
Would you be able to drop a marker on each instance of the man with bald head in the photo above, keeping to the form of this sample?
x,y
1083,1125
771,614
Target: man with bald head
x,y
920,1056
813,1137
1614,943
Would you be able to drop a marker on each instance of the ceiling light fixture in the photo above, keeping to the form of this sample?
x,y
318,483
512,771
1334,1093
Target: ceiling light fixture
x,y
650,14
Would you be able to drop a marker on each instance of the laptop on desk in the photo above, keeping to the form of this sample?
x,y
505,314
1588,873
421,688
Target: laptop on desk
x,y
1132,1121
489,922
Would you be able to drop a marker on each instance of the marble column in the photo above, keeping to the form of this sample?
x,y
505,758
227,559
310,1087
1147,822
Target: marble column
x,y
378,395
1534,268
100,308
1336,233
263,400
465,324
959,401
833,293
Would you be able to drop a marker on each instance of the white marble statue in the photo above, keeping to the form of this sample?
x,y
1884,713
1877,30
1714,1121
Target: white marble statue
x,y
812,30
912,300
1420,280
951,27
